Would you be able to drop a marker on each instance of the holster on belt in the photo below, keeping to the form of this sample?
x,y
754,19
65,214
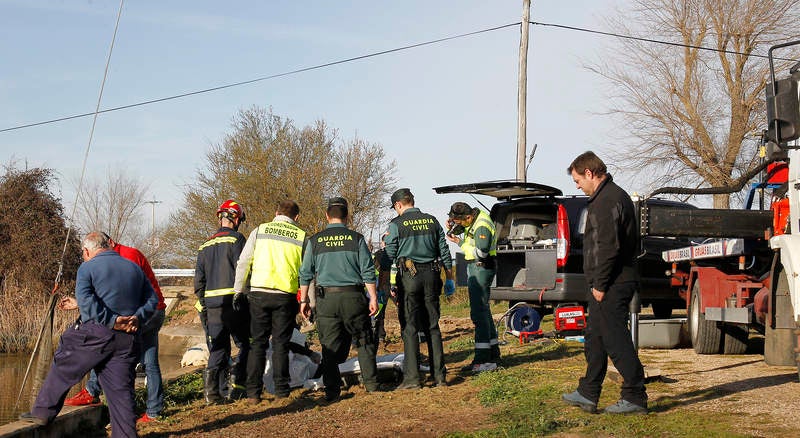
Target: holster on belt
x,y
410,267
319,291
487,263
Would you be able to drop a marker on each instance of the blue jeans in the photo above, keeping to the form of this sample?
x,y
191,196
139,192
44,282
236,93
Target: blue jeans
x,y
148,334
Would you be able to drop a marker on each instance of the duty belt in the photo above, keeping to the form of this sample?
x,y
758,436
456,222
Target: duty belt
x,y
353,288
414,266
487,263
406,265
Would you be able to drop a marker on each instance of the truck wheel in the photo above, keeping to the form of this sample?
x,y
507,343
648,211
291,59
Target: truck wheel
x,y
706,335
779,343
736,337
661,309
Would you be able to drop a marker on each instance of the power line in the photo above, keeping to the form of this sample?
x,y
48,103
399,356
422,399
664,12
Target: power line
x,y
263,78
373,54
650,40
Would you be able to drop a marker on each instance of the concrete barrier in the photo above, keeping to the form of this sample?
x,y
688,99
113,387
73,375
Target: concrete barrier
x,y
174,341
70,421
84,420
76,420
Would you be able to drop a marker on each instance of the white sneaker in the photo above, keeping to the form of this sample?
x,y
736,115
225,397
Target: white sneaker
x,y
481,367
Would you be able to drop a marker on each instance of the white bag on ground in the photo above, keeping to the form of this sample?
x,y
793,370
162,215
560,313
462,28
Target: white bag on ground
x,y
196,355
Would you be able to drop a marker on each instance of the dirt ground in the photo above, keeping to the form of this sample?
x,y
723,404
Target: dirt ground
x,y
765,397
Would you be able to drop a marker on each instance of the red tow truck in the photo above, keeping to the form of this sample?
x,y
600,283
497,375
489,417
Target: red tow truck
x,y
746,274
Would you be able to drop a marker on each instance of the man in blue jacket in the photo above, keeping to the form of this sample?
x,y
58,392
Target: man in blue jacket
x,y
114,298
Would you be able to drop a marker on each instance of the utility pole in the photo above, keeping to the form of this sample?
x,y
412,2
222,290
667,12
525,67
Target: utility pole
x,y
522,97
153,230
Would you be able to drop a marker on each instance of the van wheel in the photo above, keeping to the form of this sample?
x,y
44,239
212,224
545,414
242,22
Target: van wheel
x,y
706,335
661,309
779,343
736,337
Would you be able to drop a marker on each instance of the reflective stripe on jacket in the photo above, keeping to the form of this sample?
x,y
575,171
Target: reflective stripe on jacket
x,y
216,267
468,245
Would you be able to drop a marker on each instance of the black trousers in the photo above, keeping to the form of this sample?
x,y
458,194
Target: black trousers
x,y
607,335
224,323
421,307
271,314
343,318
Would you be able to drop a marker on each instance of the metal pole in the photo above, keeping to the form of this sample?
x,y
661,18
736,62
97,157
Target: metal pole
x,y
635,307
153,229
523,91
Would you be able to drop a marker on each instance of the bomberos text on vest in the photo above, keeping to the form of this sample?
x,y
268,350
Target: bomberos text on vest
x,y
271,229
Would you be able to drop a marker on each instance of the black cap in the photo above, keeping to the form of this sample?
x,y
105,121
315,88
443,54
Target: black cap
x,y
459,209
400,194
338,200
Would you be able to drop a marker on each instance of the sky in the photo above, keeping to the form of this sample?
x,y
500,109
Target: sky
x,y
447,112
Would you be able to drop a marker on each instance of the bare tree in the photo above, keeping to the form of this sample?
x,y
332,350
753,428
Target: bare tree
x,y
693,117
266,158
114,205
366,177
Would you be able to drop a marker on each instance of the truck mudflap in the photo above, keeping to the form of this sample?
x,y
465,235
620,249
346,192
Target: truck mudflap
x,y
788,247
739,315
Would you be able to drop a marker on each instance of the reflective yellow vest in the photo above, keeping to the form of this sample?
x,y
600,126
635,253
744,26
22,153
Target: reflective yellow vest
x,y
468,244
277,256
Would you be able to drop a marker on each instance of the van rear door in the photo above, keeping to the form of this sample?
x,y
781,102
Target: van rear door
x,y
502,190
525,219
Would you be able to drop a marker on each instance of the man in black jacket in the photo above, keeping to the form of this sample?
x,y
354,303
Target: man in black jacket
x,y
610,243
226,315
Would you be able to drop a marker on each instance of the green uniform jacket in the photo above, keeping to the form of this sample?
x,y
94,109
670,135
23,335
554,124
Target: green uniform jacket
x,y
480,239
417,236
337,256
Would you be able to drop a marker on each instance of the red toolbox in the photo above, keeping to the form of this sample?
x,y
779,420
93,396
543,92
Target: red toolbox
x,y
569,318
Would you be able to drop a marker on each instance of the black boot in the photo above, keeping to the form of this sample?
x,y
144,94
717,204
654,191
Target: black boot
x,y
236,391
211,386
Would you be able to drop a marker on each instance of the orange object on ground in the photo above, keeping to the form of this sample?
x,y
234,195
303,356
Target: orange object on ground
x,y
82,398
